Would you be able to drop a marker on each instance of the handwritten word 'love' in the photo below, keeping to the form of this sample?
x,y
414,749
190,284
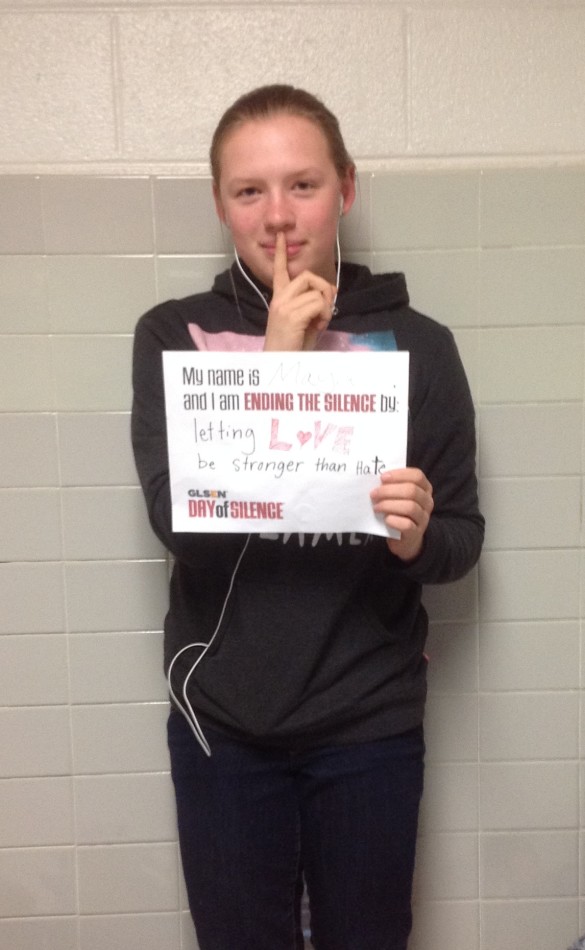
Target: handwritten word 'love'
x,y
338,437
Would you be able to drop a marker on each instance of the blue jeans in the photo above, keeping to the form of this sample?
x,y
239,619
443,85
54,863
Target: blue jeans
x,y
251,818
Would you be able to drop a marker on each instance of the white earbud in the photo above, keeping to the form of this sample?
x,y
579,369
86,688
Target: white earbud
x,y
341,206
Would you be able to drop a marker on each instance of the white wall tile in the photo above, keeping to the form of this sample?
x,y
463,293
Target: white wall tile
x,y
35,742
582,794
450,801
23,294
37,882
98,294
128,878
112,809
117,668
129,737
527,864
528,725
532,285
31,524
181,276
23,613
539,364
28,933
36,812
93,374
107,523
450,924
94,449
497,78
58,105
451,728
530,655
34,670
130,932
29,450
529,795
520,585
188,92
509,924
27,374
118,595
531,512
530,440
446,867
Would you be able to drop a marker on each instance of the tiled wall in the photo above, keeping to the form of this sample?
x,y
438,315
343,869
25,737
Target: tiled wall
x,y
468,124
88,858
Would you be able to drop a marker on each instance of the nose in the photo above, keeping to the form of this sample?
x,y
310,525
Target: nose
x,y
279,214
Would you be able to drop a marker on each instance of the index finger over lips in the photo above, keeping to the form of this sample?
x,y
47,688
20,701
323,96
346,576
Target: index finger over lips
x,y
280,278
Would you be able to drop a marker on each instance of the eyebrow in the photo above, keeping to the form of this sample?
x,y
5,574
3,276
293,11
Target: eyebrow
x,y
301,173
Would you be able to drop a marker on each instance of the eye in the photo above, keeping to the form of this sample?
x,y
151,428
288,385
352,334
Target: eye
x,y
250,191
304,185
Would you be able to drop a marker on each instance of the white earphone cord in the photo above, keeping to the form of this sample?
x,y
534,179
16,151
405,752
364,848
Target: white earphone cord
x,y
187,709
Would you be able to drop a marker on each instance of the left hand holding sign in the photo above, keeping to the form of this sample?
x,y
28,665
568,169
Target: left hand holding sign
x,y
405,498
301,308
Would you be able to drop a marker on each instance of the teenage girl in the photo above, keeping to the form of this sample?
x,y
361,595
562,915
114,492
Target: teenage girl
x,y
296,663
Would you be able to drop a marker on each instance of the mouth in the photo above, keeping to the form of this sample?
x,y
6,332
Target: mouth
x,y
292,249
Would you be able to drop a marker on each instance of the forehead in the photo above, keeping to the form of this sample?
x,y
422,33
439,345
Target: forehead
x,y
275,143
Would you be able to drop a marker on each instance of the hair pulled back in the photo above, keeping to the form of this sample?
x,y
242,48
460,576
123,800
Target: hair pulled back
x,y
267,101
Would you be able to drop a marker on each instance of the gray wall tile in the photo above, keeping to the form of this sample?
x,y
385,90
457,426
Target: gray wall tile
x,y
21,215
82,215
533,206
425,210
99,294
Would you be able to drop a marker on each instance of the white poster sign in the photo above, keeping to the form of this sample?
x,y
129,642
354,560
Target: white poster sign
x,y
283,442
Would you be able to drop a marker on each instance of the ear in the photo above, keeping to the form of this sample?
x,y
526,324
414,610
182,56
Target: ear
x,y
219,208
347,185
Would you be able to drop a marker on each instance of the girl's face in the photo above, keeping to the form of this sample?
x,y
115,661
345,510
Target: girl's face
x,y
277,175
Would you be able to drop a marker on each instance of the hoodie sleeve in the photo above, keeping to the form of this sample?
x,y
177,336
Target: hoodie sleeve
x,y
442,444
161,329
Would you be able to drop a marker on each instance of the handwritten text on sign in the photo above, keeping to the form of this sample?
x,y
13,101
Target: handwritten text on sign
x,y
283,442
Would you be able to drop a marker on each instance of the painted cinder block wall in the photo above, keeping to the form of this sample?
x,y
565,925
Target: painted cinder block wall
x,y
467,122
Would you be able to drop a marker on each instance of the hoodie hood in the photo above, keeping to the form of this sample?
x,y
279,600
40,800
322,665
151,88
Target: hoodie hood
x,y
360,292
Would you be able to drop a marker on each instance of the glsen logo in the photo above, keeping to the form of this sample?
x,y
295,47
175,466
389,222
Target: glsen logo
x,y
206,493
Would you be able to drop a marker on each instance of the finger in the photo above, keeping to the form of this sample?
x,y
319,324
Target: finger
x,y
280,277
415,515
412,476
313,332
308,281
402,493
